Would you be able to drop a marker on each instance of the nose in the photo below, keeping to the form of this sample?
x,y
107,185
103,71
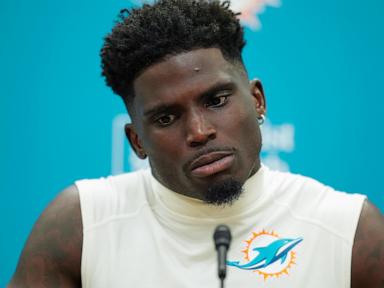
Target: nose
x,y
199,130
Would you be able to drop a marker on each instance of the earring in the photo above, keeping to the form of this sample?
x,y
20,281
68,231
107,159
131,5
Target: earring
x,y
261,119
142,154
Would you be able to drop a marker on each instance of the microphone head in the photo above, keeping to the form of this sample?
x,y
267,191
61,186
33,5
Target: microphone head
x,y
222,236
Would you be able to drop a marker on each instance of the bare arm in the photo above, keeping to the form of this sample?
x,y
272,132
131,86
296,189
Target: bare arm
x,y
368,250
52,254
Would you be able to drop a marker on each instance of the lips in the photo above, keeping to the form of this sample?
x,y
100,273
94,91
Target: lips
x,y
211,163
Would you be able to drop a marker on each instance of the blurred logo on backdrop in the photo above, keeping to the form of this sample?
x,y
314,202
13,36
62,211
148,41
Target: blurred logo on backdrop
x,y
277,140
250,9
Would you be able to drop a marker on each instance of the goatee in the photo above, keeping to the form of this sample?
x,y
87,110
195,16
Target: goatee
x,y
223,193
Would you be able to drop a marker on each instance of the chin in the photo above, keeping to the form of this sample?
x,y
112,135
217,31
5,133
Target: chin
x,y
223,192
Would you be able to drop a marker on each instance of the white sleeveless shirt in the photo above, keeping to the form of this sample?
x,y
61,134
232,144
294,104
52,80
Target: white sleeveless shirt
x,y
288,231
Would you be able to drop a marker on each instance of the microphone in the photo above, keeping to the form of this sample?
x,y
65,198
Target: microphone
x,y
222,238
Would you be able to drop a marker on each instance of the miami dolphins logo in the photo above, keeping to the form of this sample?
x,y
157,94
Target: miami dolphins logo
x,y
267,254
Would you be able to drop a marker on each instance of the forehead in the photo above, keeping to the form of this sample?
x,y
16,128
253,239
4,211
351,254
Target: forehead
x,y
188,73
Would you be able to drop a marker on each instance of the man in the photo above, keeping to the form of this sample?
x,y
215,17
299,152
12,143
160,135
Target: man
x,y
195,115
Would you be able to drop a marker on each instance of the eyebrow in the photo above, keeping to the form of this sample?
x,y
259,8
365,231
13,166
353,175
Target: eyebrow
x,y
158,109
221,85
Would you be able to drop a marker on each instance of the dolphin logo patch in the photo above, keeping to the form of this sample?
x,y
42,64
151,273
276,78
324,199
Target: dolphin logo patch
x,y
268,254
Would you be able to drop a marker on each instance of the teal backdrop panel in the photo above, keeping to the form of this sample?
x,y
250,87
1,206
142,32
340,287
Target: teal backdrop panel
x,y
321,62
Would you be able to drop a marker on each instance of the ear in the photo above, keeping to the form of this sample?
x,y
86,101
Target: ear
x,y
134,140
257,92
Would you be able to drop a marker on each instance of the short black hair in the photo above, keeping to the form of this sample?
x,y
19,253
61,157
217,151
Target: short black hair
x,y
147,35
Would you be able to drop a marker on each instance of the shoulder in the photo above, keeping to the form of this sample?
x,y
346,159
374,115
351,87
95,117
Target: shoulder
x,y
309,200
305,190
368,249
52,254
112,184
106,198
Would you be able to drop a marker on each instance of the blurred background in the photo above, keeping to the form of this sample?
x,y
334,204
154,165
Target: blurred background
x,y
321,62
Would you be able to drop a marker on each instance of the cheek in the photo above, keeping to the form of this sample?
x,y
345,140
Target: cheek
x,y
163,145
242,129
251,127
165,153
241,120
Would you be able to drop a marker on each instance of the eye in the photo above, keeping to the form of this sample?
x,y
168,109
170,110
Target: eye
x,y
165,120
217,101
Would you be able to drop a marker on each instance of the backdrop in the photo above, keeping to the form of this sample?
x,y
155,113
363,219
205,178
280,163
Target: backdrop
x,y
321,62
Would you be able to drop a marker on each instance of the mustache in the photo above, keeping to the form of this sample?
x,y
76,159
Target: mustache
x,y
206,151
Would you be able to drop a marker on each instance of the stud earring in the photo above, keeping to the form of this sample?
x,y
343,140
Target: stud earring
x,y
261,119
142,154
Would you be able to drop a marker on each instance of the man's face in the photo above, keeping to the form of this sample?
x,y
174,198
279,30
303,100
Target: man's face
x,y
195,116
